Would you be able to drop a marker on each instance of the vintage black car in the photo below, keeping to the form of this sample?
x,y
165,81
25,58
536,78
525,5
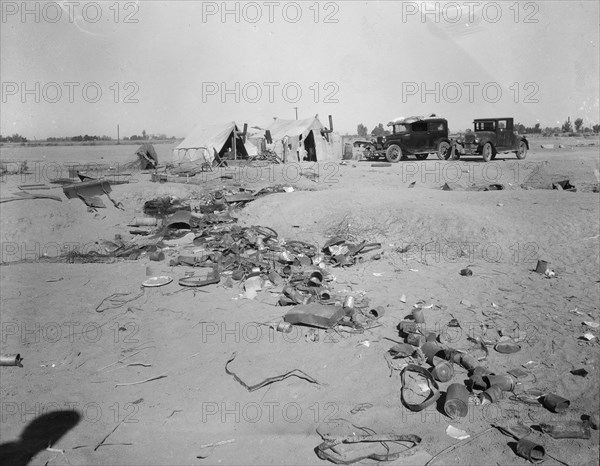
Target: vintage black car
x,y
490,137
418,136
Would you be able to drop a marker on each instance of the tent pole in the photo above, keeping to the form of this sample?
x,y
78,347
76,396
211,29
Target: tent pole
x,y
234,148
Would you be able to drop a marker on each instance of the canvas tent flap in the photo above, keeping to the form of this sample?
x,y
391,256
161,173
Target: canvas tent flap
x,y
294,139
200,145
145,158
281,128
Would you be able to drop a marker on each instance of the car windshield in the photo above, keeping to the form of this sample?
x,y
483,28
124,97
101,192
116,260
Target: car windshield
x,y
400,129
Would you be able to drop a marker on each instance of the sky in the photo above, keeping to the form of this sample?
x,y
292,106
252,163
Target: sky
x,y
70,68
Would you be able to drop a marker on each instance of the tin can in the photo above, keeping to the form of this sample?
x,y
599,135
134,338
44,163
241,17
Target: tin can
x,y
505,382
457,401
284,327
11,360
555,403
430,349
378,312
530,451
542,266
408,327
468,361
418,315
349,302
443,371
491,395
157,256
415,339
144,222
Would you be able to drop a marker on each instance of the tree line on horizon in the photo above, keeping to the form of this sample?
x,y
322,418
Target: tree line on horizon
x,y
87,138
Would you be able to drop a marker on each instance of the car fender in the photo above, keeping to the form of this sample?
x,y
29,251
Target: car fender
x,y
483,142
524,139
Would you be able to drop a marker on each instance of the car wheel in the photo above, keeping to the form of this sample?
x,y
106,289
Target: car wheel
x,y
443,152
522,150
393,153
487,152
421,156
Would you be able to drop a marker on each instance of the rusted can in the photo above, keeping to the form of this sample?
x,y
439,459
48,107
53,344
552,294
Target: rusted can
x,y
505,382
468,361
430,349
284,327
415,339
349,302
417,314
408,327
443,371
555,403
11,360
491,395
457,401
530,451
378,312
542,266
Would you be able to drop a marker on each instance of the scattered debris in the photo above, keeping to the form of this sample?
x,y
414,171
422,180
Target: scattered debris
x,y
294,373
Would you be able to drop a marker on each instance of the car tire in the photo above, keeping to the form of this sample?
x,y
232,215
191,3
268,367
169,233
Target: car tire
x,y
522,150
487,152
421,156
443,148
393,153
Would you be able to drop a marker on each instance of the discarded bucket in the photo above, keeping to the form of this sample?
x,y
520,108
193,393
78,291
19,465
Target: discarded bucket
x,y
418,315
542,266
555,403
491,395
457,401
505,382
530,451
443,371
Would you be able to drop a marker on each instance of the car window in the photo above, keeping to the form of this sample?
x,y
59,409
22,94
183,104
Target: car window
x,y
436,126
419,126
400,129
485,126
502,124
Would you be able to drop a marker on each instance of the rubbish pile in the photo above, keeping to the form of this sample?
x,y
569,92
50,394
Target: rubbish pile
x,y
426,363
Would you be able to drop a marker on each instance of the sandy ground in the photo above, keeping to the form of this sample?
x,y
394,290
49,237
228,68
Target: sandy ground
x,y
75,357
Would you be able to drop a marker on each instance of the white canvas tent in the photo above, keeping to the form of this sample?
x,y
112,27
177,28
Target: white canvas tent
x,y
293,140
202,143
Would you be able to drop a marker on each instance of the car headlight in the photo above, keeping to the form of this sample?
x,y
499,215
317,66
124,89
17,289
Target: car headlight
x,y
476,141
383,139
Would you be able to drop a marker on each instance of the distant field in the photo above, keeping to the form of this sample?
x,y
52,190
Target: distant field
x,y
71,154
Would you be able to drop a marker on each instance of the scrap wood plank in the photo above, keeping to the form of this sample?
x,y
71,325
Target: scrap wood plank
x,y
25,195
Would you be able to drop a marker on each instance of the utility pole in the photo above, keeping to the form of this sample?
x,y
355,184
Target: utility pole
x,y
296,108
118,135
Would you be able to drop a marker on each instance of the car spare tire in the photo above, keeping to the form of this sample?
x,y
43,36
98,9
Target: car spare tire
x,y
393,153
